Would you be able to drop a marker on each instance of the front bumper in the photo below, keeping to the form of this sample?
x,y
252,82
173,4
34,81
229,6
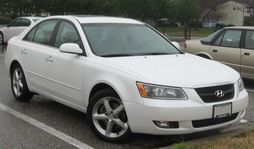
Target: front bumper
x,y
141,116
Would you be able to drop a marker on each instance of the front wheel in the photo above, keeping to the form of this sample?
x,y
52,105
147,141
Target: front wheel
x,y
19,85
107,117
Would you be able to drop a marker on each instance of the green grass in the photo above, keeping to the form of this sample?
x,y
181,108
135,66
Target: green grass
x,y
242,141
178,31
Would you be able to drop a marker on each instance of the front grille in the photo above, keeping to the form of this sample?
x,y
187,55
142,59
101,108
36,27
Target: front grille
x,y
207,94
213,121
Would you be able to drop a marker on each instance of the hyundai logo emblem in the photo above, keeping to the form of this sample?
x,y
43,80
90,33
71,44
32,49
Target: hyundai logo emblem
x,y
219,93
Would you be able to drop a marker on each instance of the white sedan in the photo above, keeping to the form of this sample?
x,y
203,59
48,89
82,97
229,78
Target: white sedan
x,y
15,27
125,75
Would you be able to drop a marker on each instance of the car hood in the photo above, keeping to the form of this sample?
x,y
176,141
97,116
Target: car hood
x,y
183,70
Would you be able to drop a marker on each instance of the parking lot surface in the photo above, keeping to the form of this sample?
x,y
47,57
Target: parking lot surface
x,y
43,123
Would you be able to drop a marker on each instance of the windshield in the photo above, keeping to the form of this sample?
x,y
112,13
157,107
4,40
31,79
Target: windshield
x,y
210,37
110,40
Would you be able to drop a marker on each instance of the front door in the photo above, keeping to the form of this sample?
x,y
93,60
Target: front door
x,y
65,72
226,49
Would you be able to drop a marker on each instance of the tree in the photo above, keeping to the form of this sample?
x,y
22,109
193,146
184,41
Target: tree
x,y
188,11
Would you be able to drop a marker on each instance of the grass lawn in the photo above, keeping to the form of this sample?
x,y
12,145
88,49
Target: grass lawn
x,y
178,31
242,141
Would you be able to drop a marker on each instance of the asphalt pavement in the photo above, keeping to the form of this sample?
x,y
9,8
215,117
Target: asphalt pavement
x,y
44,123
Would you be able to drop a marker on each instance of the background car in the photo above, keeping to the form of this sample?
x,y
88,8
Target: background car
x,y
233,46
15,27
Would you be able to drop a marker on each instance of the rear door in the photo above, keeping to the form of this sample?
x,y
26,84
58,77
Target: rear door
x,y
247,55
226,48
36,45
65,72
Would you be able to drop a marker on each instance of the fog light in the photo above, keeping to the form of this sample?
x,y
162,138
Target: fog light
x,y
166,124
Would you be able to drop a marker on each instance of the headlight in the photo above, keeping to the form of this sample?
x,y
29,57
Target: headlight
x,y
160,92
240,85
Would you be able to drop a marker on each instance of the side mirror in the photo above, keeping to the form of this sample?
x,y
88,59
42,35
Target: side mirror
x,y
71,48
176,44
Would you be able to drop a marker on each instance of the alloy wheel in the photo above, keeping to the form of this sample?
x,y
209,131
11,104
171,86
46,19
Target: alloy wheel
x,y
109,117
17,82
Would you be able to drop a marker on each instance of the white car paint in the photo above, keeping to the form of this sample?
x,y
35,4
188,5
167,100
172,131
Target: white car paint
x,y
11,31
69,79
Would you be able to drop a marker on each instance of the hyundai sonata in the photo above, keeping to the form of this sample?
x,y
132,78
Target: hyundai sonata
x,y
125,75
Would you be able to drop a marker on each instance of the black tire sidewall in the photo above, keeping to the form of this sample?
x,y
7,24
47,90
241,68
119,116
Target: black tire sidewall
x,y
26,95
94,99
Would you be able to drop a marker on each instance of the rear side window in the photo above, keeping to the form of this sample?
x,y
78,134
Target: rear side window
x,y
231,38
249,40
44,32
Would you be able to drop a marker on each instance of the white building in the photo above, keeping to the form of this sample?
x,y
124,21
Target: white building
x,y
232,12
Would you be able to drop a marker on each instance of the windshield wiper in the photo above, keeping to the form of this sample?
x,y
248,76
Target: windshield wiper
x,y
116,55
155,53
137,54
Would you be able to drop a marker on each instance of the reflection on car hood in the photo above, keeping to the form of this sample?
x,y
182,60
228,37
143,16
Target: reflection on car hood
x,y
183,70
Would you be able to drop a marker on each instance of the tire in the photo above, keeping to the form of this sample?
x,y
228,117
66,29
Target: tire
x,y
1,38
106,110
19,85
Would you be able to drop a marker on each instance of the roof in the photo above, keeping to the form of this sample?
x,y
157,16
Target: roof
x,y
241,27
32,18
100,19
105,19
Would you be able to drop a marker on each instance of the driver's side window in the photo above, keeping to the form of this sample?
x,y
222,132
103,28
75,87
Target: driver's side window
x,y
67,34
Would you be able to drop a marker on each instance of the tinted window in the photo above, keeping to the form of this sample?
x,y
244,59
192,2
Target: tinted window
x,y
67,34
14,23
24,22
44,32
30,35
249,40
231,38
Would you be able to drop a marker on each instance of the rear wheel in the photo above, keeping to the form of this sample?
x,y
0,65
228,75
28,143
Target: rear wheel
x,y
19,85
107,116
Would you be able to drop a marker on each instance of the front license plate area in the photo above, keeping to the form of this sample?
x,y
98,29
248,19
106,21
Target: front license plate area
x,y
222,110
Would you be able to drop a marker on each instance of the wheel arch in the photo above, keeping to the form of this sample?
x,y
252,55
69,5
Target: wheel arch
x,y
100,86
204,55
13,63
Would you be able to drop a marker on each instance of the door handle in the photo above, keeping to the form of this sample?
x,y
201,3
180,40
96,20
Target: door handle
x,y
214,50
23,52
49,59
247,54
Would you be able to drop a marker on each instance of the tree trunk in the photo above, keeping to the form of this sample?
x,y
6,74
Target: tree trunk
x,y
185,30
189,30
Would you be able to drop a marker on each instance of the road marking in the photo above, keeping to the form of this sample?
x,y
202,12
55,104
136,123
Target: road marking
x,y
46,128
